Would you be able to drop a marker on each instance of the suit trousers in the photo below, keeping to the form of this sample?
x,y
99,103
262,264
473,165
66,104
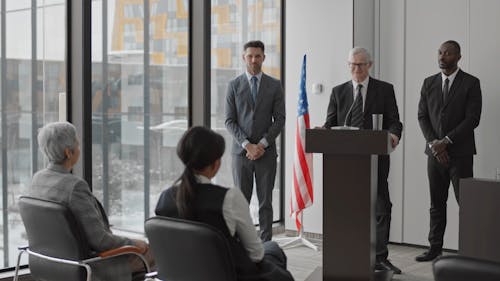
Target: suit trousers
x,y
439,182
383,208
264,172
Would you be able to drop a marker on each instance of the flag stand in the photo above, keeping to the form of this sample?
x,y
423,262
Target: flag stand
x,y
292,242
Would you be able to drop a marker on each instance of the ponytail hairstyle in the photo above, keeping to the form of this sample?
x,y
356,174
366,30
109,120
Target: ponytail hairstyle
x,y
198,148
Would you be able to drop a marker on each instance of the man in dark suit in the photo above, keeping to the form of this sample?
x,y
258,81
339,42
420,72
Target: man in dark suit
x,y
346,107
448,111
255,115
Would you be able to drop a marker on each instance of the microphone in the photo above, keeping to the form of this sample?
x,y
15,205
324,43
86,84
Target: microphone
x,y
345,127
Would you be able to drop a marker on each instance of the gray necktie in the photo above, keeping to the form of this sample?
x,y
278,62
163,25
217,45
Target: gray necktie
x,y
445,89
357,110
254,88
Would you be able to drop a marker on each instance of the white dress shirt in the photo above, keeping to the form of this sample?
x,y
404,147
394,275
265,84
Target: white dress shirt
x,y
364,90
236,213
450,78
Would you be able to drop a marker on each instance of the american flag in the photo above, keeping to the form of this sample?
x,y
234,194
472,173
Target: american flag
x,y
302,192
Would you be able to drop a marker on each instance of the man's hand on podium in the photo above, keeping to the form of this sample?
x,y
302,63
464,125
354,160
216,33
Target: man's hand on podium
x,y
394,140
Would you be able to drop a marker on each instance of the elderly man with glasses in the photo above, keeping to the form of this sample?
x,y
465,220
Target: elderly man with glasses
x,y
352,104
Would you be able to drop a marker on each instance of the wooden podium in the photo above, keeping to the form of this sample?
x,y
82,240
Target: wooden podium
x,y
349,195
478,230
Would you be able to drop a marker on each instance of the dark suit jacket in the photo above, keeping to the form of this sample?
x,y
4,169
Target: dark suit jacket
x,y
456,118
380,99
246,120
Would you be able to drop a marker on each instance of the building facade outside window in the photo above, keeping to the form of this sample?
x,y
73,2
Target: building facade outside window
x,y
33,76
139,103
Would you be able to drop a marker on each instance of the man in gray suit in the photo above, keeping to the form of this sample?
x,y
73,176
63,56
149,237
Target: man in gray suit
x,y
255,115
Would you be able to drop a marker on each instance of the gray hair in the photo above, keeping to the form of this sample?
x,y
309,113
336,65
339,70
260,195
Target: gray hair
x,y
53,138
360,50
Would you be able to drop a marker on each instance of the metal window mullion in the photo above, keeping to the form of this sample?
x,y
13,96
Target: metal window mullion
x,y
85,48
67,59
199,63
4,137
282,135
104,90
147,109
34,76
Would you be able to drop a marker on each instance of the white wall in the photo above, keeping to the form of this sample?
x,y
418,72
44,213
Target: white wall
x,y
322,30
484,46
423,38
406,37
389,53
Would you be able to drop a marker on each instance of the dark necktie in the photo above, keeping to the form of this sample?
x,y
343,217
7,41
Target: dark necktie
x,y
357,109
445,89
254,88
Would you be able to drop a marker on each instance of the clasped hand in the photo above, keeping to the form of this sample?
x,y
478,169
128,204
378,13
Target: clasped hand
x,y
254,151
438,149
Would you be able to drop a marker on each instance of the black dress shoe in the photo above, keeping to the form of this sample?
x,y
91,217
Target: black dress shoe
x,y
428,256
380,267
392,267
386,265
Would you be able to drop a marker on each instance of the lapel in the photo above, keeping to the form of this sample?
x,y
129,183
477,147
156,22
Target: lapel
x,y
456,84
260,93
346,99
246,91
371,99
349,99
436,91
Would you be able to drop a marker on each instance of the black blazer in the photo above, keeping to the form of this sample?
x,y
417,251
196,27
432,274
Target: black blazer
x,y
380,99
456,118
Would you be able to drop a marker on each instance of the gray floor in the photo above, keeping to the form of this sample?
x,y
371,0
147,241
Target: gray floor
x,y
302,261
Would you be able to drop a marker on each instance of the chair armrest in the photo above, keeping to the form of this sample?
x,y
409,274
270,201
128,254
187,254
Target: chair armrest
x,y
121,250
124,250
151,275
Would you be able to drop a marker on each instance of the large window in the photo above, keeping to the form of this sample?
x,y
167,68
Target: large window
x,y
139,103
33,76
233,24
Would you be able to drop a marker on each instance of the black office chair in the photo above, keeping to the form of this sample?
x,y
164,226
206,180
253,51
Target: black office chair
x,y
460,268
189,251
58,249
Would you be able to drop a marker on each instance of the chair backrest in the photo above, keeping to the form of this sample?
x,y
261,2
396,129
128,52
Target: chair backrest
x,y
52,230
189,251
459,268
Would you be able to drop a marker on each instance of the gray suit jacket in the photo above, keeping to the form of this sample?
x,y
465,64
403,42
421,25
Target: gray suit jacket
x,y
57,184
248,121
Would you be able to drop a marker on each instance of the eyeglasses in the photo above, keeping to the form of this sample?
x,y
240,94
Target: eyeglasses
x,y
354,65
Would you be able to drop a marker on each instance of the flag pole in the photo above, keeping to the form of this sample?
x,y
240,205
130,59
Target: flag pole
x,y
292,242
302,192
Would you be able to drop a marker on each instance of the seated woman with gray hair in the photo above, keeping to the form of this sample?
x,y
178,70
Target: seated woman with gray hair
x,y
59,143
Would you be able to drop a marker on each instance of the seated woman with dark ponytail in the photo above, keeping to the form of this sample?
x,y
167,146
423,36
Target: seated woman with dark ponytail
x,y
194,197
